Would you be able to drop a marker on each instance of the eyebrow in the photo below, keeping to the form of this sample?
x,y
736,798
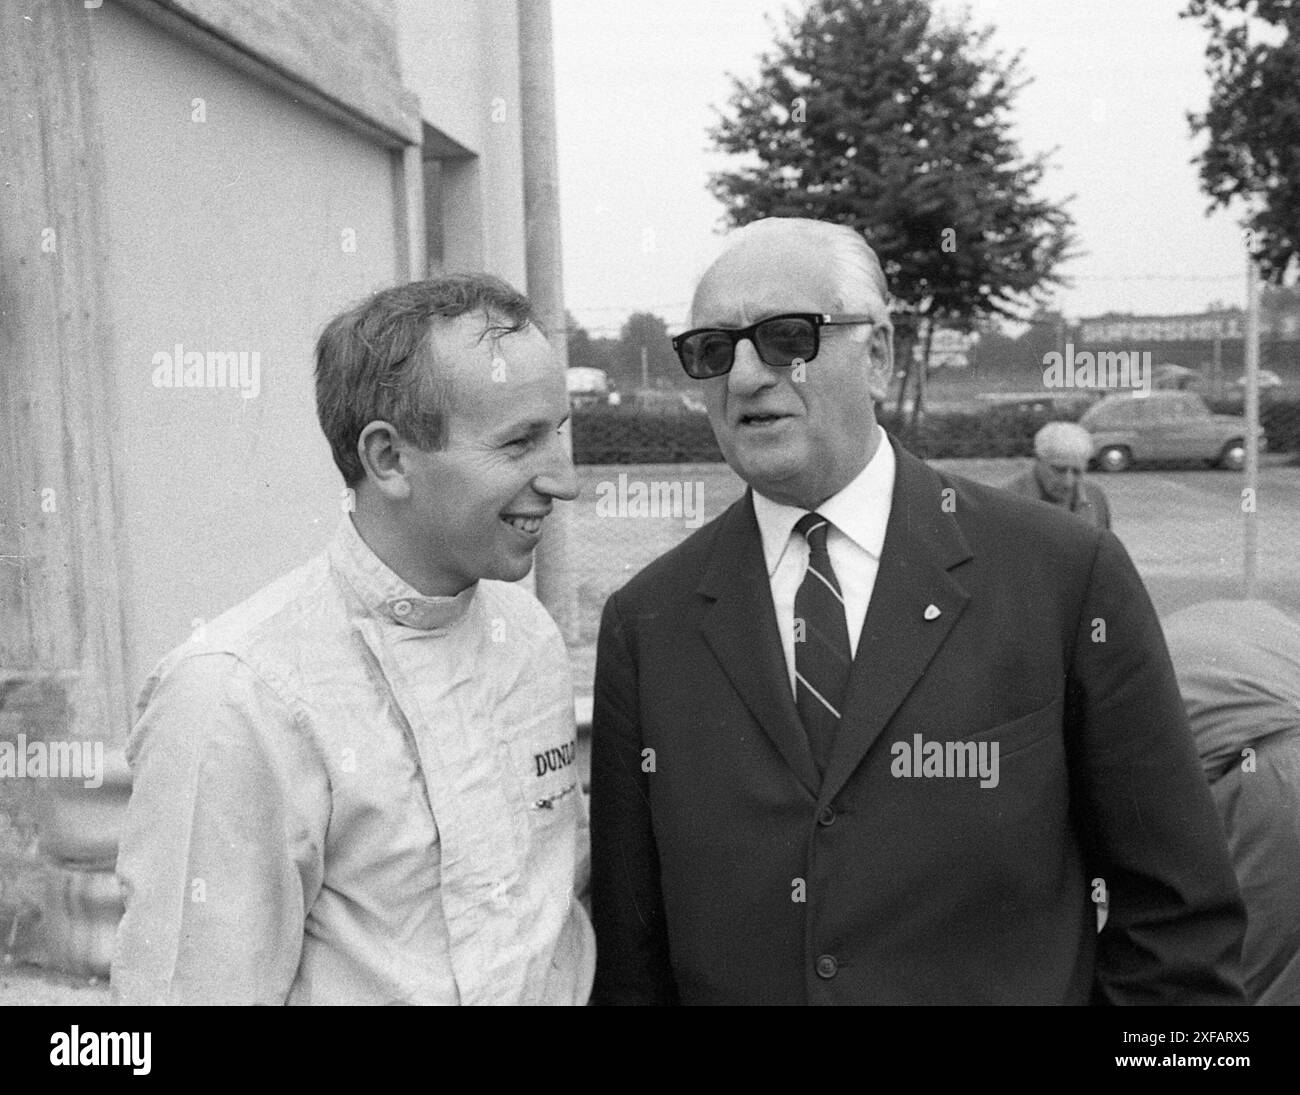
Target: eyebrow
x,y
531,426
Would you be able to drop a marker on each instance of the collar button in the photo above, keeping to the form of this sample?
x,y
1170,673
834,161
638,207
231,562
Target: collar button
x,y
402,608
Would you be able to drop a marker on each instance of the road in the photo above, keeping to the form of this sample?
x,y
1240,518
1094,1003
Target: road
x,y
1185,528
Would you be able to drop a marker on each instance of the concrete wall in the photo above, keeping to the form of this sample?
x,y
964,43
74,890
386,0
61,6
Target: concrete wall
x,y
462,60
230,233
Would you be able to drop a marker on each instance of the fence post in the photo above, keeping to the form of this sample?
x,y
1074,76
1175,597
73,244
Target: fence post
x,y
1250,561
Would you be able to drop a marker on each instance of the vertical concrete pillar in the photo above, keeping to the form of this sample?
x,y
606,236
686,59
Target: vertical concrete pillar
x,y
554,568
61,649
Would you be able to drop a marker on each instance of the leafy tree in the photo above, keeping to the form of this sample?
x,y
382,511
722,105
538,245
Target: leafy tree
x,y
644,329
582,351
1253,122
591,353
873,114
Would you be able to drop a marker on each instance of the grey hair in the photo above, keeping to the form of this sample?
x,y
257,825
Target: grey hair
x,y
1063,439
858,276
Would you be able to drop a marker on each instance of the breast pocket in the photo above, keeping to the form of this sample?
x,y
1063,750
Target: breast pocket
x,y
1024,732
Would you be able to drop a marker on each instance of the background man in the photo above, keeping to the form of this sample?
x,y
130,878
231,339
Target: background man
x,y
1059,473
771,823
337,793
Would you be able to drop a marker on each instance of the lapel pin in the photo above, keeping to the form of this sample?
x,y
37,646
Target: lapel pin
x,y
931,612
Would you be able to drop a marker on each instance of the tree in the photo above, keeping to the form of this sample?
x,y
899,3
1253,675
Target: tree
x,y
648,331
1253,123
872,114
591,353
582,351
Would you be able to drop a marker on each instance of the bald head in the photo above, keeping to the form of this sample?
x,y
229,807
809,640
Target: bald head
x,y
842,259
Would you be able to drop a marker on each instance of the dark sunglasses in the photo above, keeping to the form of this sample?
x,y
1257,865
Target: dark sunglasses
x,y
781,340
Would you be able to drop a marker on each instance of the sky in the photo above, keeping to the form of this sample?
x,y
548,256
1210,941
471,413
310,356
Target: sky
x,y
638,83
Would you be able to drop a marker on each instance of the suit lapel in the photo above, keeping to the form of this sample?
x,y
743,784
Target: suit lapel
x,y
922,542
740,628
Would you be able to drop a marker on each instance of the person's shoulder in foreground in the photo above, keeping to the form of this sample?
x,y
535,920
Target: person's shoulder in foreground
x,y
357,786
1238,665
1008,741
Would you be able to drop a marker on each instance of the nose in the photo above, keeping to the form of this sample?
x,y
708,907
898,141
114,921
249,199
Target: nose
x,y
748,372
558,478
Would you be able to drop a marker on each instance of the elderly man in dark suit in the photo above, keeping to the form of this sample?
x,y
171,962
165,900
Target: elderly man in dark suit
x,y
878,734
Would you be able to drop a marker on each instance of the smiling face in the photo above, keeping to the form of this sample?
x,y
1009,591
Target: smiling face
x,y
797,441
476,507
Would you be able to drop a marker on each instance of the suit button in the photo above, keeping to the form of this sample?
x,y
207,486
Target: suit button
x,y
826,967
826,816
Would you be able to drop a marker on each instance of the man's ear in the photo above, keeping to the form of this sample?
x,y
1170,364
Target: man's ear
x,y
380,450
880,362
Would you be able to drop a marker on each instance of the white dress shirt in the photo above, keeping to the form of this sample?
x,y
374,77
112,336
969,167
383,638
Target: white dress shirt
x,y
858,515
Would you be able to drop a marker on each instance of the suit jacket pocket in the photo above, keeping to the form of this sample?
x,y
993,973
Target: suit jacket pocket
x,y
1021,733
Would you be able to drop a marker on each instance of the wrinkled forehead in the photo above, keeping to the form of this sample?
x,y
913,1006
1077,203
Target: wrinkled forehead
x,y
763,277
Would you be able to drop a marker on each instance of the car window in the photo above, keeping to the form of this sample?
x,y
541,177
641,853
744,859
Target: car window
x,y
1163,410
1115,412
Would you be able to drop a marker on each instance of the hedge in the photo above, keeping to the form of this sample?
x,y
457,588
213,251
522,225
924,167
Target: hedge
x,y
619,435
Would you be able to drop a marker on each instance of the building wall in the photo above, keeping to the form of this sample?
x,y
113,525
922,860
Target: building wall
x,y
232,214
181,178
462,60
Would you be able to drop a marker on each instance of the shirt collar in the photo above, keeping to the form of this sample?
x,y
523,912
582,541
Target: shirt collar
x,y
387,595
860,510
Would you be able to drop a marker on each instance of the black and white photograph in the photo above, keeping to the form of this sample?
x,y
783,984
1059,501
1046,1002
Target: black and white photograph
x,y
713,502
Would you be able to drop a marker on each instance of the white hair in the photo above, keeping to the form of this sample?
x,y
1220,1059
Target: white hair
x,y
1063,439
858,277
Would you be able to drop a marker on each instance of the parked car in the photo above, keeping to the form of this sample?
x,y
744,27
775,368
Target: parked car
x,y
1175,377
1267,379
587,387
1062,405
1132,428
667,401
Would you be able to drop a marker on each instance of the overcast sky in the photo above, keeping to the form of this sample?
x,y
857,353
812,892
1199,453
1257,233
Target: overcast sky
x,y
637,81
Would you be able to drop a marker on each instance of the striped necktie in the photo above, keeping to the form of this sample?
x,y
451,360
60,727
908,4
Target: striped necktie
x,y
822,657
